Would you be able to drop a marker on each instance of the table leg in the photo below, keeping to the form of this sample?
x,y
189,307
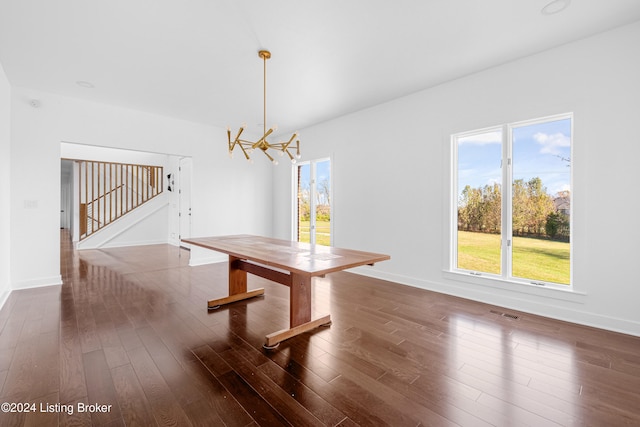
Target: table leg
x,y
299,312
237,286
299,300
237,277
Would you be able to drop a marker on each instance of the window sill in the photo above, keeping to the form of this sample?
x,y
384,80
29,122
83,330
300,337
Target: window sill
x,y
522,288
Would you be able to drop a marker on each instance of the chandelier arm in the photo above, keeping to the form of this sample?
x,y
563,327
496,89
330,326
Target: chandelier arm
x,y
239,132
270,158
246,155
231,145
285,145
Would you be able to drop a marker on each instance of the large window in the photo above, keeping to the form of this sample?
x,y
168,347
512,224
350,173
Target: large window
x,y
313,202
513,202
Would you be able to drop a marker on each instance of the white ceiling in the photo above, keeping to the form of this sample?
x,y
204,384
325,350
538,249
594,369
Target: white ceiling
x,y
197,59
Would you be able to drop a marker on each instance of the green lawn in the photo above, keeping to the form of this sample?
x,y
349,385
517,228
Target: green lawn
x,y
536,259
323,232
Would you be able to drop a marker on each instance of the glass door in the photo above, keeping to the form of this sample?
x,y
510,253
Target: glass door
x,y
313,202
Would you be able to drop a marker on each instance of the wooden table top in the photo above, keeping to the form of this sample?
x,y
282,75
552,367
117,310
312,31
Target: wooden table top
x,y
295,257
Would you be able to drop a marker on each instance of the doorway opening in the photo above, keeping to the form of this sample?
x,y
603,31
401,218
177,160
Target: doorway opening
x,y
165,222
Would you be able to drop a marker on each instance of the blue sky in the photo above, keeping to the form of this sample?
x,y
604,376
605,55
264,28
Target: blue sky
x,y
541,149
323,172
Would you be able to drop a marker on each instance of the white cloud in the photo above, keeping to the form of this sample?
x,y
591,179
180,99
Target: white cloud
x,y
552,144
492,181
558,187
494,137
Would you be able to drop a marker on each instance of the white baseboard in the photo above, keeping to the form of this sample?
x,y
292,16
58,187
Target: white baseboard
x,y
134,243
37,283
3,298
211,259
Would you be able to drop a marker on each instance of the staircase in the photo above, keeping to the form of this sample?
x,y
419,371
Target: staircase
x,y
109,191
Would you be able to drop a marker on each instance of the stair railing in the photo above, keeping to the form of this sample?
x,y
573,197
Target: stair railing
x,y
110,190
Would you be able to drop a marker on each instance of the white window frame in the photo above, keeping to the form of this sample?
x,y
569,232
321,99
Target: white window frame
x,y
506,259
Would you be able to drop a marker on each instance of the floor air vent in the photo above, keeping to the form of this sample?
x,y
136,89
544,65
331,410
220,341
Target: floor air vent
x,y
508,315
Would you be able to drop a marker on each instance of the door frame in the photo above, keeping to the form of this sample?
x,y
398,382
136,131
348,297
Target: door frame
x,y
185,171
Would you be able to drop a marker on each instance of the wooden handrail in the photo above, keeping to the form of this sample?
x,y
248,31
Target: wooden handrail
x,y
108,192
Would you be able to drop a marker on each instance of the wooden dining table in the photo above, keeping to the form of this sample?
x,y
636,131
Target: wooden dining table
x,y
293,264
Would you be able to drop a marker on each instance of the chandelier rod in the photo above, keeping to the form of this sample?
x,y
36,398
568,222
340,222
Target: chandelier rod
x,y
264,54
264,93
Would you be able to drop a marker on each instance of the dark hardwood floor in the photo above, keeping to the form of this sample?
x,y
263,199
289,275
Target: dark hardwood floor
x,y
129,333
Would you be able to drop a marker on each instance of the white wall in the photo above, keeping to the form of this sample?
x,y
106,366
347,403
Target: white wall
x,y
391,171
5,188
146,225
227,194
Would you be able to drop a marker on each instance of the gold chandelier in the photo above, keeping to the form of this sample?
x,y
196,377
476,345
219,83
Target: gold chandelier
x,y
247,147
